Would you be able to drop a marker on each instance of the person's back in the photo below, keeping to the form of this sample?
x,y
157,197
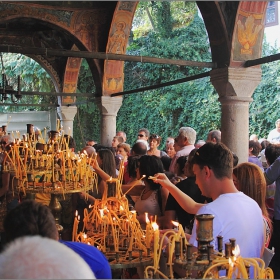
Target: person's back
x,y
94,258
235,215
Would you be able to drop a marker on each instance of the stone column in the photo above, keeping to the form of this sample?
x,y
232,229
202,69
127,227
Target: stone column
x,y
67,115
109,107
235,87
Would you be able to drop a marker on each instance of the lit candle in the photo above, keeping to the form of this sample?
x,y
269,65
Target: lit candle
x,y
156,244
148,231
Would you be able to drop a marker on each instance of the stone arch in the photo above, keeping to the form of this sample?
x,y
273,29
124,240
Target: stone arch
x,y
248,32
219,21
78,25
117,42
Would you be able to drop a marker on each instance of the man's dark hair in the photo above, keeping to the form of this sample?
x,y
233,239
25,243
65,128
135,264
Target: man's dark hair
x,y
272,152
30,218
139,149
256,146
217,157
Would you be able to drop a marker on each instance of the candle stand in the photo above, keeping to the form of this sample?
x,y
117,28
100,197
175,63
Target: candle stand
x,y
48,167
206,262
109,225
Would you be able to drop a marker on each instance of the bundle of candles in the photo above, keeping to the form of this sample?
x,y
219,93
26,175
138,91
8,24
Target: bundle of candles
x,y
48,167
109,225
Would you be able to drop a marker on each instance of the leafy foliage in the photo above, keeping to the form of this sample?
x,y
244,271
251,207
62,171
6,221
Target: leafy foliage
x,y
165,110
33,78
87,120
264,109
160,29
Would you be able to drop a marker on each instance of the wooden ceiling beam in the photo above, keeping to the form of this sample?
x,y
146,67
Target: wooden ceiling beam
x,y
262,60
105,56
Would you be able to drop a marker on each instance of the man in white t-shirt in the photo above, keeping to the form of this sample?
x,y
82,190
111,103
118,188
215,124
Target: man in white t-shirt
x,y
235,214
274,135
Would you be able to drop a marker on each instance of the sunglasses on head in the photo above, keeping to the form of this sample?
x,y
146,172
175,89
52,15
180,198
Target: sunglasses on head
x,y
141,135
154,136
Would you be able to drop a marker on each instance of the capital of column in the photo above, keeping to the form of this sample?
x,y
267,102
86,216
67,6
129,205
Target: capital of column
x,y
239,82
230,100
67,112
109,105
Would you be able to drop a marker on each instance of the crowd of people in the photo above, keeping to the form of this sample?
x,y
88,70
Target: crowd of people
x,y
187,178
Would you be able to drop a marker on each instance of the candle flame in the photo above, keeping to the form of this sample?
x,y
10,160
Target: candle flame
x,y
121,208
85,235
76,213
236,251
176,224
101,212
146,217
79,218
155,226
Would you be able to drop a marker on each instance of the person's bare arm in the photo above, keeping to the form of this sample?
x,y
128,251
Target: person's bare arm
x,y
104,176
136,190
88,197
169,216
186,202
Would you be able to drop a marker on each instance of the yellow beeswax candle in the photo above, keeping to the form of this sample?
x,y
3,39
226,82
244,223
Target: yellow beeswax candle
x,y
156,244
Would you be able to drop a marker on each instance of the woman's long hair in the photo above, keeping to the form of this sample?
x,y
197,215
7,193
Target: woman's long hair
x,y
251,181
108,162
149,166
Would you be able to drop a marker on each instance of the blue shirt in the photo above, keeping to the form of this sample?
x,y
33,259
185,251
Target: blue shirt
x,y
272,173
93,257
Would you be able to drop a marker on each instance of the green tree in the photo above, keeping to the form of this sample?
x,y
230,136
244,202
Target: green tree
x,y
165,110
264,108
87,120
33,78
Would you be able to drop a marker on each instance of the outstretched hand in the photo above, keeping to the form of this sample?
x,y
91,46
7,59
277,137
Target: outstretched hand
x,y
162,179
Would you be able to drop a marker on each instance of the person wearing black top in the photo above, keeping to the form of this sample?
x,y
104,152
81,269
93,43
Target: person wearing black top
x,y
173,211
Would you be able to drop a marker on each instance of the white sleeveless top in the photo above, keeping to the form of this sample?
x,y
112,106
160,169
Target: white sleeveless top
x,y
149,205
